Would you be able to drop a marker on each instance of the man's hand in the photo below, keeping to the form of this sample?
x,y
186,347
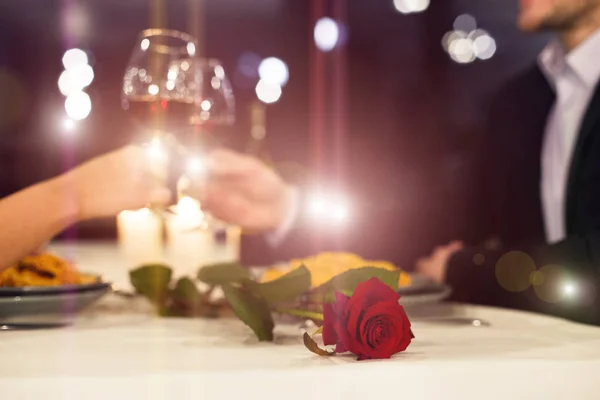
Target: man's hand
x,y
113,182
435,266
242,190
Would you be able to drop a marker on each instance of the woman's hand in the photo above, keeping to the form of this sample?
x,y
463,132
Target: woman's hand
x,y
114,182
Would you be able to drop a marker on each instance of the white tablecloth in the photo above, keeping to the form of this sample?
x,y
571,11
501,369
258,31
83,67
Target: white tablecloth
x,y
119,350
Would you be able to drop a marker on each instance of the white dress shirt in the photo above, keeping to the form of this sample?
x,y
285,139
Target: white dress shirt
x,y
573,77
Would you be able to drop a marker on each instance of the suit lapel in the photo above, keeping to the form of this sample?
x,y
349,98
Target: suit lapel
x,y
590,121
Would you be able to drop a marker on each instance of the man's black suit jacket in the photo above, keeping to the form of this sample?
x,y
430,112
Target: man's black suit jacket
x,y
511,210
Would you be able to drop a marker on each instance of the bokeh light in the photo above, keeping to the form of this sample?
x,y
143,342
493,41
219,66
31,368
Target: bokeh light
x,y
411,6
219,71
465,23
215,83
69,124
450,37
326,34
317,205
479,259
205,105
172,74
153,90
185,65
553,279
274,71
461,51
466,42
267,92
73,58
328,208
75,79
156,152
474,34
536,278
145,44
191,49
569,289
78,105
340,213
514,270
484,47
195,165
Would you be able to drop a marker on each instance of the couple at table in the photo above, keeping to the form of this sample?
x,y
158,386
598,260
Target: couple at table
x,y
539,184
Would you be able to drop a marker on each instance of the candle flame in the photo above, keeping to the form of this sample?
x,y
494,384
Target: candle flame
x,y
187,207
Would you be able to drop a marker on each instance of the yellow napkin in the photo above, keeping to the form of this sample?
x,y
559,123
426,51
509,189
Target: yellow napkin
x,y
325,266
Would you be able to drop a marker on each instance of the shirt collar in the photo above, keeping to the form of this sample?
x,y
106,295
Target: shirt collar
x,y
582,60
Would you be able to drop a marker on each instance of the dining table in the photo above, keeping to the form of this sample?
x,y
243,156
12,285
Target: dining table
x,y
120,349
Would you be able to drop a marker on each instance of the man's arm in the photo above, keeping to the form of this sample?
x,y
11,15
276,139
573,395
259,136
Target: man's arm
x,y
243,191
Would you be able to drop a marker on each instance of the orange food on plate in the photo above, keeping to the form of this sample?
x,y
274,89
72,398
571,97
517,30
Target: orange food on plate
x,y
44,269
325,266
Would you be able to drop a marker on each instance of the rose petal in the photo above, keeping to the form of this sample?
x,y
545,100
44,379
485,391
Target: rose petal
x,y
376,291
366,294
391,317
340,348
329,320
407,335
380,336
344,340
340,303
370,292
355,343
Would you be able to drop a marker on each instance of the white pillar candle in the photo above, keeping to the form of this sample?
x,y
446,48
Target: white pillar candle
x,y
190,242
140,236
227,245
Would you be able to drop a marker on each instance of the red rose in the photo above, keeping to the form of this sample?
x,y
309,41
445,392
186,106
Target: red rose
x,y
370,324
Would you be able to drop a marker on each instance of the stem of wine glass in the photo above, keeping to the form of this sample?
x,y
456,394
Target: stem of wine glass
x,y
158,158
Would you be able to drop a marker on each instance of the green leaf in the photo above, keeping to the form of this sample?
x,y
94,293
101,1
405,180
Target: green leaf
x,y
152,281
315,316
287,288
186,299
349,280
314,347
252,310
186,290
223,273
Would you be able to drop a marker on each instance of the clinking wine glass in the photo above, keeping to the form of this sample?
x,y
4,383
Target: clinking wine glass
x,y
160,87
214,108
160,92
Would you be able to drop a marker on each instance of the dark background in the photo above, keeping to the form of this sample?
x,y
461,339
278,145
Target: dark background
x,y
411,117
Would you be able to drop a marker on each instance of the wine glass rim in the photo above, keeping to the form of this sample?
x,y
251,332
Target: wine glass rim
x,y
170,33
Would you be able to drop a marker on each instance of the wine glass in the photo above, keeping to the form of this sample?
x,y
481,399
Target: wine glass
x,y
160,91
160,87
215,106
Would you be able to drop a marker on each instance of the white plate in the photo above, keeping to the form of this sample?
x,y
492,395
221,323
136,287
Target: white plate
x,y
51,309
